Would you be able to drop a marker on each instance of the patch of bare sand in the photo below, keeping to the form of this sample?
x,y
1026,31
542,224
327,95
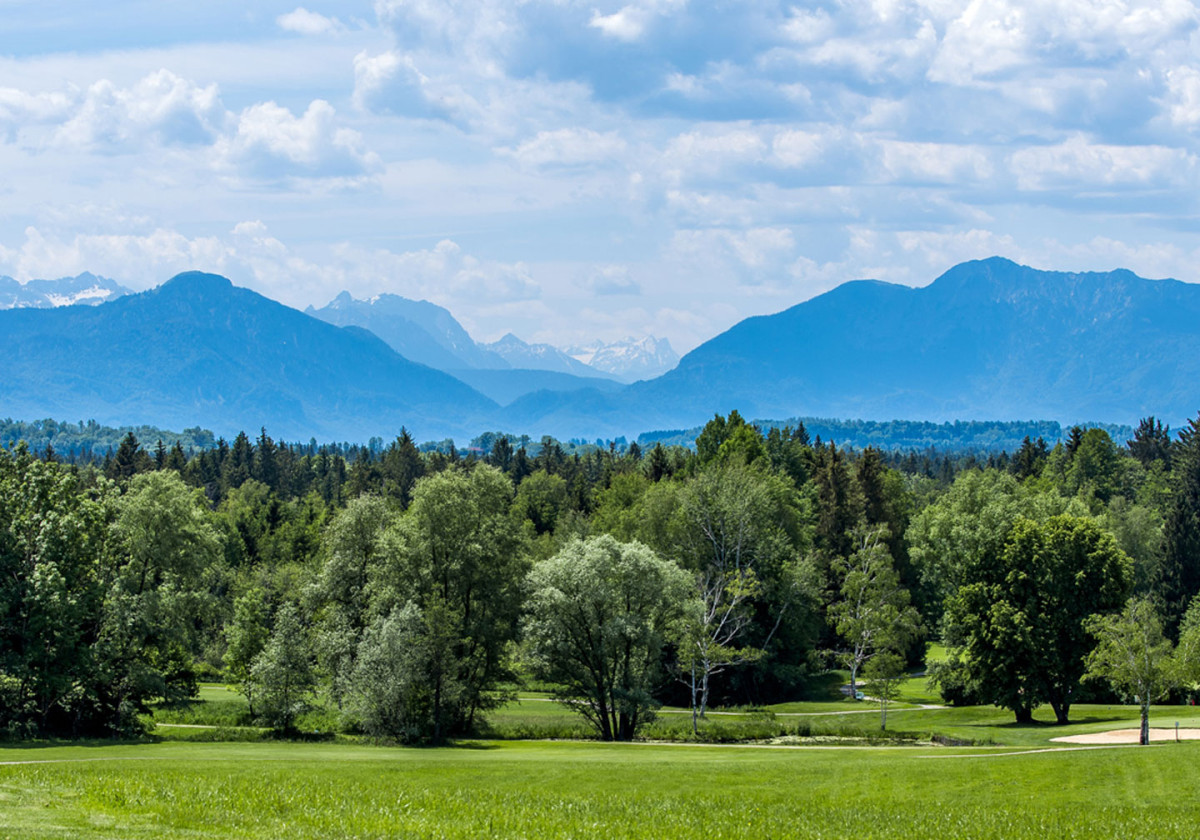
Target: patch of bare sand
x,y
1128,736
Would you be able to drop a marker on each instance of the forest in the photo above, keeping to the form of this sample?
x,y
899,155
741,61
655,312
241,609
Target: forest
x,y
410,592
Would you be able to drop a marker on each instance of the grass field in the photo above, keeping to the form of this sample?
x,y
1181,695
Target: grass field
x,y
221,714
544,790
822,778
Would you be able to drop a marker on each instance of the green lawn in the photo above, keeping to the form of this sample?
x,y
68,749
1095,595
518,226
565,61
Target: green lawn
x,y
221,714
544,790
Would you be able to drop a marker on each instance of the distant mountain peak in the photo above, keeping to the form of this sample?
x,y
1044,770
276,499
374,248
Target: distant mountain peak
x,y
416,329
198,281
629,359
198,350
85,288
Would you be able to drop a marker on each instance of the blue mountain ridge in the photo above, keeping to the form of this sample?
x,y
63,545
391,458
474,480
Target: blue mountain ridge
x,y
988,340
199,351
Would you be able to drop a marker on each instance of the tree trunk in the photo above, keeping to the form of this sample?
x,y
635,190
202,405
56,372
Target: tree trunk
x,y
1144,738
695,721
1062,712
1024,714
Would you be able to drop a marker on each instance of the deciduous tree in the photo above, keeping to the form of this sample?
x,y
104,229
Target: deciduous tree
x,y
1132,654
1022,617
600,614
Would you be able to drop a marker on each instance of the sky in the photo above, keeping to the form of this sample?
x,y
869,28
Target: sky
x,y
574,171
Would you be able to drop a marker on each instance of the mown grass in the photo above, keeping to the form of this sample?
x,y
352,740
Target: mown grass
x,y
222,715
544,790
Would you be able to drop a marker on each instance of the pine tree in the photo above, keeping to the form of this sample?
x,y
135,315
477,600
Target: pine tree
x,y
1178,578
658,466
1151,442
265,469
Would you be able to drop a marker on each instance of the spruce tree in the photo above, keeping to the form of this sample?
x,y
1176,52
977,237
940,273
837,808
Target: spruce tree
x,y
1178,578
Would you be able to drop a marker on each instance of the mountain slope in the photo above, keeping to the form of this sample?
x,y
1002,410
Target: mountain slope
x,y
987,340
416,329
506,386
198,351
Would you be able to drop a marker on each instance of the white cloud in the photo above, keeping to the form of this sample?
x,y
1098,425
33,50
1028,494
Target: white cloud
x,y
140,261
809,26
943,163
752,257
479,32
939,250
567,147
607,280
20,109
390,82
304,22
162,108
629,23
798,149
994,37
270,142
626,24
1078,164
1183,85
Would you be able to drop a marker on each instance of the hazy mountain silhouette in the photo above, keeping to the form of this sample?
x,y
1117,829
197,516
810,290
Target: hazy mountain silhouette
x,y
989,339
198,351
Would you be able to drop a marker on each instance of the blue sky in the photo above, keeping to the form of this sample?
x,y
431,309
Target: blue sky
x,y
579,170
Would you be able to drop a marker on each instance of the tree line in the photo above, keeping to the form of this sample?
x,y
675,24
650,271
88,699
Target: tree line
x,y
409,592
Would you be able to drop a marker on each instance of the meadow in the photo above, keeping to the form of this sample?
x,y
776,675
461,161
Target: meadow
x,y
809,769
573,789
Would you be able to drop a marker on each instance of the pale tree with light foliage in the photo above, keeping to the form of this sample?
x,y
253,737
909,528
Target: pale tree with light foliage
x,y
1134,656
600,614
734,529
884,673
873,615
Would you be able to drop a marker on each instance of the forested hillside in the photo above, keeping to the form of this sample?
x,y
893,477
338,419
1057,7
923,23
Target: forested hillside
x,y
407,592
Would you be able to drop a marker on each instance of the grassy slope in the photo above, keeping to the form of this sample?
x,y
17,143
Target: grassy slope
x,y
594,790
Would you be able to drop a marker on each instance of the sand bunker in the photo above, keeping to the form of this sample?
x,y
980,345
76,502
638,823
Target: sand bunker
x,y
1128,736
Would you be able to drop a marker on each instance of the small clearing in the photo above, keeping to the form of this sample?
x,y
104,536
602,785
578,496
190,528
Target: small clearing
x,y
1129,736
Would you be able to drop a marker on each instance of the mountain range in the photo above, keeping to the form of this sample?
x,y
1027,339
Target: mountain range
x,y
199,351
66,291
988,339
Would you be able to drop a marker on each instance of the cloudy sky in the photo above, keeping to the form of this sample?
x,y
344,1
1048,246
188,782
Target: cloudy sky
x,y
571,170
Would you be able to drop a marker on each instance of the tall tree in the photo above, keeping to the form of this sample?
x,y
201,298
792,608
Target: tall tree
x,y
1178,579
54,544
738,535
600,614
353,545
839,502
1022,618
873,614
1133,655
1151,442
282,673
458,556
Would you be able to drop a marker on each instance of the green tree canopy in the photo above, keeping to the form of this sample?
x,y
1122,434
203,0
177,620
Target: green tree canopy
x,y
1021,618
600,613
